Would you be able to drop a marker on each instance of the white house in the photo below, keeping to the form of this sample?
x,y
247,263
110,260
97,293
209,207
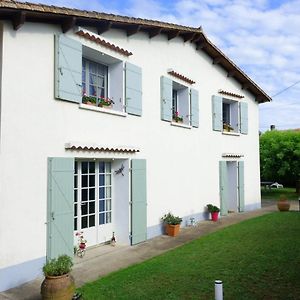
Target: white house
x,y
181,131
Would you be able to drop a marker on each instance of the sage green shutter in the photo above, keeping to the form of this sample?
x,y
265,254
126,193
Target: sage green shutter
x,y
194,108
133,89
166,88
60,211
217,118
223,187
241,186
138,201
244,117
68,69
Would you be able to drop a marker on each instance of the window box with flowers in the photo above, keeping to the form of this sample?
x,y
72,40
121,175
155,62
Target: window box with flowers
x,y
227,127
97,101
177,118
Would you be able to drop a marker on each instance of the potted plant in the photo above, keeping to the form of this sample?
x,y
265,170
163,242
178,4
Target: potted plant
x,y
177,118
58,283
172,224
214,211
283,204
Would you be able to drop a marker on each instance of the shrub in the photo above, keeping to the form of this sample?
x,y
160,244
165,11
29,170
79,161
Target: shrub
x,y
171,219
58,266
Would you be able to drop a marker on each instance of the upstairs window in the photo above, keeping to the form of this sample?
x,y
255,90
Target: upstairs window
x,y
94,82
229,115
178,103
85,75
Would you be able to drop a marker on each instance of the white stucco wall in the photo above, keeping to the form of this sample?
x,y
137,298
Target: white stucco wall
x,y
182,164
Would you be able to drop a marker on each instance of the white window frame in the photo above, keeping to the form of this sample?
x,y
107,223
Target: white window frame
x,y
78,189
183,99
86,88
233,115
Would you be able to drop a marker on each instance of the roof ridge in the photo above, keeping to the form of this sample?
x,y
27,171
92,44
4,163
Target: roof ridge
x,y
109,16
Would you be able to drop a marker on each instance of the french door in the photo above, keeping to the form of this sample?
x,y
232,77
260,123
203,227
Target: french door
x,y
93,201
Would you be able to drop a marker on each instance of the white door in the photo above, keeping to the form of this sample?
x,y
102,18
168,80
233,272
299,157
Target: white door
x,y
93,201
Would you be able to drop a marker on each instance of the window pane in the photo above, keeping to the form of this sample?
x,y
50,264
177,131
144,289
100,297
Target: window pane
x,y
84,221
101,180
92,207
75,224
75,182
108,167
101,193
76,168
101,167
92,180
84,180
75,196
101,219
108,192
84,167
92,167
75,210
108,217
108,179
91,194
91,220
101,205
84,208
108,204
84,195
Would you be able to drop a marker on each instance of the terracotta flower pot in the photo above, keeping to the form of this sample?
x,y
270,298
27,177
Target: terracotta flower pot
x,y
58,287
283,205
214,216
82,245
172,230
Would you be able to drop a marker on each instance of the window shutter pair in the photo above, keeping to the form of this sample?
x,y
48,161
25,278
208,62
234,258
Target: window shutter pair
x,y
68,75
217,115
166,88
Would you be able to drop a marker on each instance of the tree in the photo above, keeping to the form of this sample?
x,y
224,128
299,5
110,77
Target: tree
x,y
280,156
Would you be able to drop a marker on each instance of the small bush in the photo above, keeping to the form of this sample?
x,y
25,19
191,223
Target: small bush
x,y
58,266
171,219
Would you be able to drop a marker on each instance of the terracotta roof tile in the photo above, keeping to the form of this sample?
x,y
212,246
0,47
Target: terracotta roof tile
x,y
103,43
58,15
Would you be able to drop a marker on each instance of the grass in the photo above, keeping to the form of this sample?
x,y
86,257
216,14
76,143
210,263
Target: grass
x,y
273,194
255,259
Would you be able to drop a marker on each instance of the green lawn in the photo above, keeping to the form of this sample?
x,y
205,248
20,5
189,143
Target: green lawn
x,y
273,194
256,259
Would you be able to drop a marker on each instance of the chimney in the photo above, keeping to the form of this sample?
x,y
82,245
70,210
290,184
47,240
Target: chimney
x,y
272,127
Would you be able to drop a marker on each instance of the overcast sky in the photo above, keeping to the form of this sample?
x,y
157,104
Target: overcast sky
x,y
261,36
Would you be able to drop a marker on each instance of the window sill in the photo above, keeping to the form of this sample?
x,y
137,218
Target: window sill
x,y
181,125
103,110
231,133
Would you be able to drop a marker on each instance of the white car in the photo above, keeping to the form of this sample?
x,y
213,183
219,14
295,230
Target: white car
x,y
276,185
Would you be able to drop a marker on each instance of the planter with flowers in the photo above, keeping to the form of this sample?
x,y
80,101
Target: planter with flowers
x,y
172,224
97,101
80,250
177,118
214,211
227,127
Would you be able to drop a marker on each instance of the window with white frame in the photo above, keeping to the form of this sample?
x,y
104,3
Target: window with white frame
x,y
180,103
229,115
92,194
94,80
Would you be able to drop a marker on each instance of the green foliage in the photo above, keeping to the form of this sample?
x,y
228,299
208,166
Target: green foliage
x,y
171,219
58,266
212,208
280,156
256,259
